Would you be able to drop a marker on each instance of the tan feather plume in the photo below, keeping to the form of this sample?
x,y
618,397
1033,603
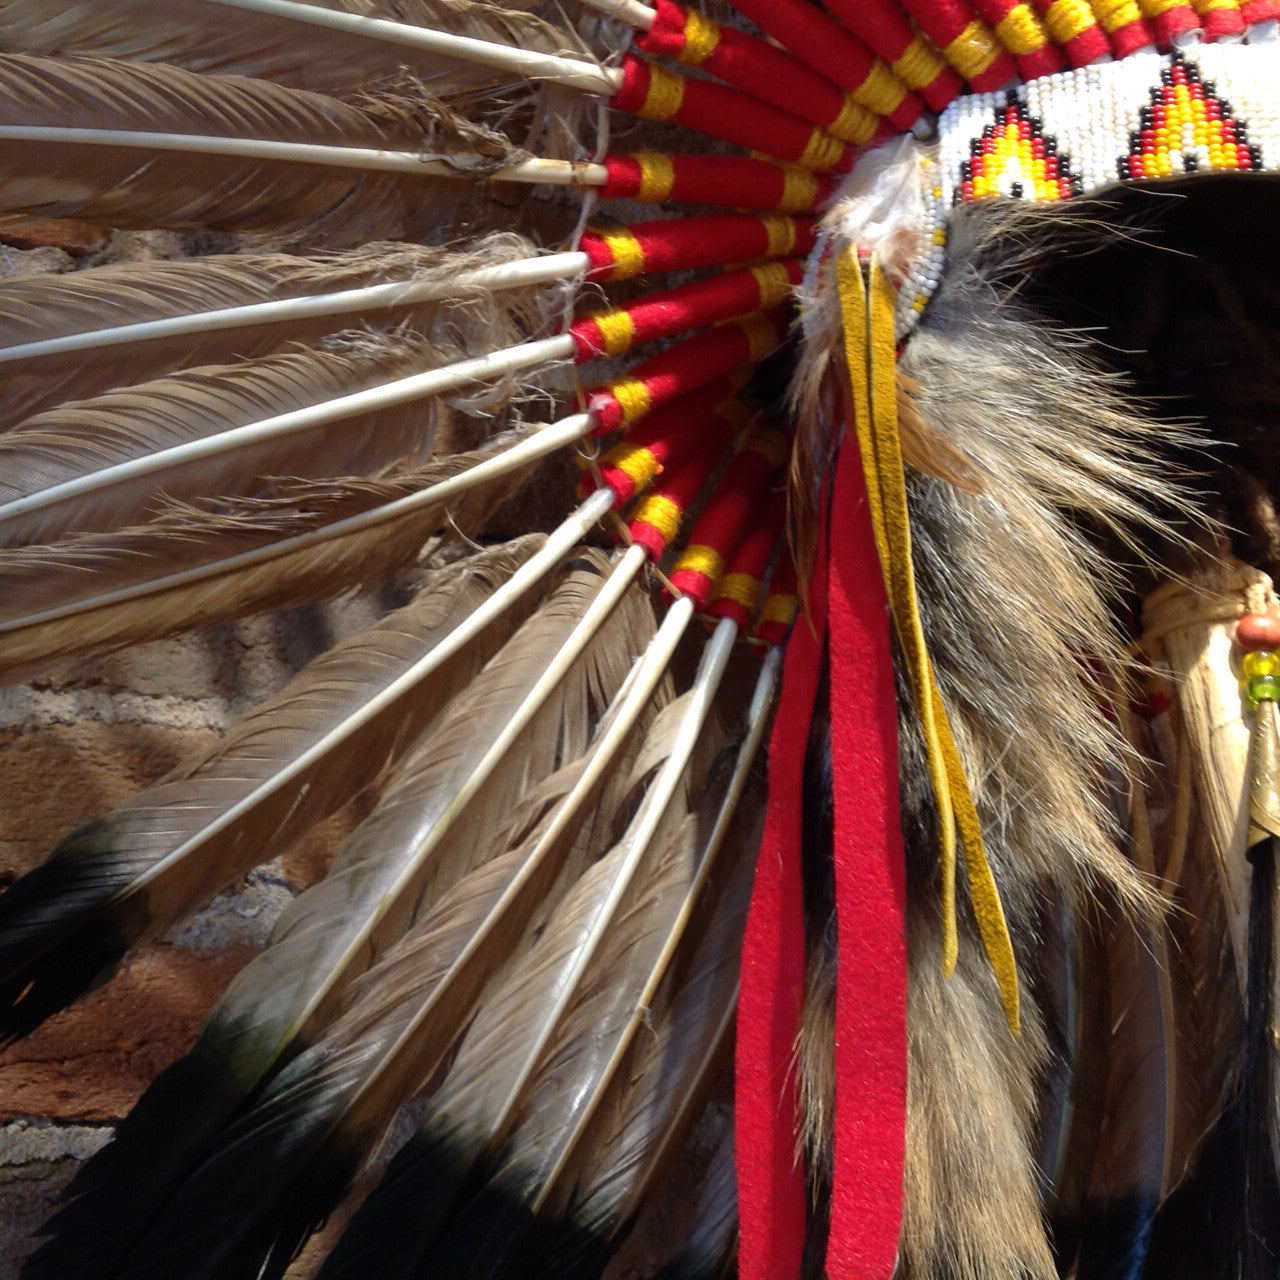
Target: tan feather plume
x,y
197,162
209,37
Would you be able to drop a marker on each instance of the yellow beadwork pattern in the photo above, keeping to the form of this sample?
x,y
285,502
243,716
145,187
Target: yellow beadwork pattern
x,y
1014,160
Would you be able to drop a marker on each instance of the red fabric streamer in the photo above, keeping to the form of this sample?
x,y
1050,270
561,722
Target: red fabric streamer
x,y
654,93
771,1189
711,240
886,30
870,893
668,435
776,76
681,368
732,182
691,306
738,591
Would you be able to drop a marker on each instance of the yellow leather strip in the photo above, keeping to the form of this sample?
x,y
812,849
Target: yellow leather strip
x,y
869,349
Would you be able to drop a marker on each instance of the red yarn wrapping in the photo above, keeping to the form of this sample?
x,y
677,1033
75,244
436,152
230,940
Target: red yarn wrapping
x,y
814,37
724,519
749,562
1253,11
944,21
888,33
676,490
1032,63
1172,23
1220,21
768,72
1131,37
1092,43
681,368
731,182
669,434
712,240
730,115
691,306
780,606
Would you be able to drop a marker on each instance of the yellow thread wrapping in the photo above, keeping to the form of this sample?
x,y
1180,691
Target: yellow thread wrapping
x,y
1114,14
774,284
780,608
633,398
659,511
701,36
664,97
769,443
700,558
780,234
741,588
627,251
822,151
1066,19
919,64
1203,7
869,349
799,189
657,176
974,50
882,91
635,462
617,331
761,334
1156,8
855,124
1020,30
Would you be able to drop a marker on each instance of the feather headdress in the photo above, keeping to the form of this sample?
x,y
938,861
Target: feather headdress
x,y
916,355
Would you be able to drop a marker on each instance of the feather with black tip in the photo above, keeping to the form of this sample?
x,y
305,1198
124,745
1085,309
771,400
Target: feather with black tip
x,y
304,753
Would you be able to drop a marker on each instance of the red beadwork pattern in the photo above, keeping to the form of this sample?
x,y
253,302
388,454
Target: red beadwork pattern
x,y
1186,128
1015,157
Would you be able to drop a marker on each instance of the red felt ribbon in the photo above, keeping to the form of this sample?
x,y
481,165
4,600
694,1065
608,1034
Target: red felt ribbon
x,y
870,893
848,601
771,1189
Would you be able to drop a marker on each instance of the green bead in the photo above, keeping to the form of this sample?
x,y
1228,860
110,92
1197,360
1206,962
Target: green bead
x,y
1260,663
1262,689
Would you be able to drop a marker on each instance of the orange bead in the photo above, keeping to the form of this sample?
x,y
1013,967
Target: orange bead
x,y
1258,631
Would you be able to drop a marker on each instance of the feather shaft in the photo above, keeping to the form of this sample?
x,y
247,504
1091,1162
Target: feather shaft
x,y
524,64
401,391
562,173
632,12
510,275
